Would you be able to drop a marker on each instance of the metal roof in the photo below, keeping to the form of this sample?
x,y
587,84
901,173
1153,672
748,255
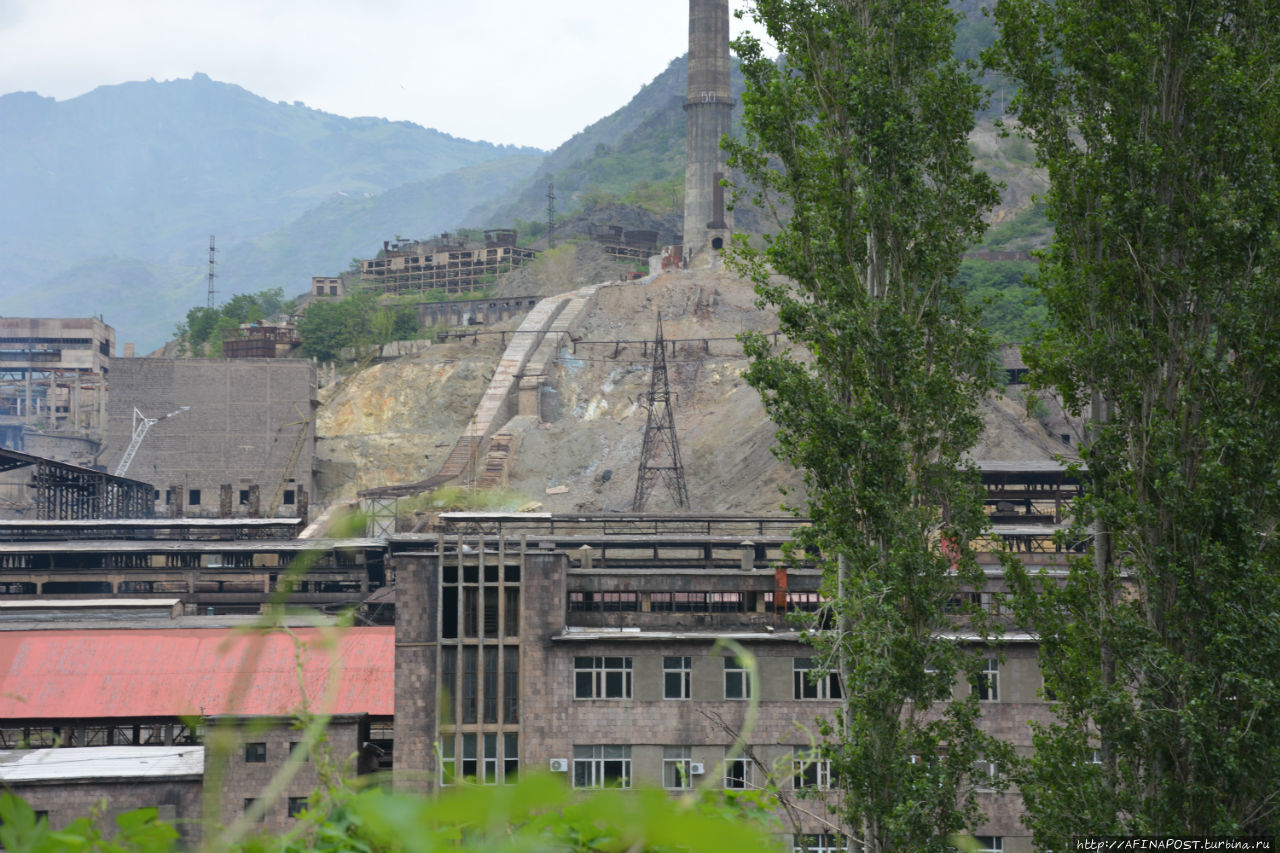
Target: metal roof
x,y
193,672
101,762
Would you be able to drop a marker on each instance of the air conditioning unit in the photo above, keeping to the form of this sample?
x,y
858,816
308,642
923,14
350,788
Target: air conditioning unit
x,y
696,768
559,765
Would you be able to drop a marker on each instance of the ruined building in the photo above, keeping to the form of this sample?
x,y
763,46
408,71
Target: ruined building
x,y
708,110
446,264
53,383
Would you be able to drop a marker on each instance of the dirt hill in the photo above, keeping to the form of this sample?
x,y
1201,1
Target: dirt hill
x,y
396,422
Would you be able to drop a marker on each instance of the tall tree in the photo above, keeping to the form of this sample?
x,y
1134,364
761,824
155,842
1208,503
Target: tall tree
x,y
861,133
1159,121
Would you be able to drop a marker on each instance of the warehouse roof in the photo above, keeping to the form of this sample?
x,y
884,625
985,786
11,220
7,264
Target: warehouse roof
x,y
195,672
101,762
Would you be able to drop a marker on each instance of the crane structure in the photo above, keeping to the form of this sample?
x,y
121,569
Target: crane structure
x,y
141,423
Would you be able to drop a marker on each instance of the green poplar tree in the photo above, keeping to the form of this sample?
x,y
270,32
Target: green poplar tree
x,y
1159,122
860,135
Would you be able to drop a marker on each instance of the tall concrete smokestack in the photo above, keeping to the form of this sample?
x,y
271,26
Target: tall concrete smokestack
x,y
708,109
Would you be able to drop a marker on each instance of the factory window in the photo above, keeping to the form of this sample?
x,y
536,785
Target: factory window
x,y
510,759
602,767
987,684
820,842
737,773
737,679
288,497
491,687
511,609
677,772
469,763
809,770
676,677
489,761
511,684
255,753
446,759
825,687
985,774
297,805
470,663
193,497
295,746
601,678
244,497
333,290
607,602
249,803
989,843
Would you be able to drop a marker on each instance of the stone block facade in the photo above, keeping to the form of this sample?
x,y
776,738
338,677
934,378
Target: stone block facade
x,y
241,427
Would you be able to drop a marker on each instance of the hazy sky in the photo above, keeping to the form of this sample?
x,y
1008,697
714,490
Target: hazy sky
x,y
524,72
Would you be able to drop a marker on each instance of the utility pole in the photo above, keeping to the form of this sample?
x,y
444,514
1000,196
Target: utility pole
x,y
551,212
660,455
211,290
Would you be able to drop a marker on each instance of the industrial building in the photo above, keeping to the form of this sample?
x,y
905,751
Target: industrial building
x,y
53,386
447,264
588,645
229,432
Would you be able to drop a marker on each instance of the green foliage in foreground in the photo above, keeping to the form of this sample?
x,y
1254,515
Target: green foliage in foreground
x,y
538,814
864,133
1159,123
359,320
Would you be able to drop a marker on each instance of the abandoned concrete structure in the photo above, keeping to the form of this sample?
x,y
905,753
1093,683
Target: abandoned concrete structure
x,y
590,645
53,385
247,425
37,487
708,112
446,264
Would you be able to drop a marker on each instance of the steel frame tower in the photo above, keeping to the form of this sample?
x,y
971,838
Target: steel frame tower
x,y
660,455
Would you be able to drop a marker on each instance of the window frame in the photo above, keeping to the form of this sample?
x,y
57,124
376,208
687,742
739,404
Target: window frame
x,y
808,762
736,672
987,684
255,752
595,760
807,689
594,677
681,675
742,781
677,768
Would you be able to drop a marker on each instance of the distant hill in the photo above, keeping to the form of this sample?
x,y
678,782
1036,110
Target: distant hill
x,y
120,188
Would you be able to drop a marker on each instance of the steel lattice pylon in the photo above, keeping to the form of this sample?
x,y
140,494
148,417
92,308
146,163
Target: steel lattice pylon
x,y
660,456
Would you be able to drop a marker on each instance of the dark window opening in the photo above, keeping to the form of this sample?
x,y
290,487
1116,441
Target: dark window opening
x,y
288,497
193,497
255,753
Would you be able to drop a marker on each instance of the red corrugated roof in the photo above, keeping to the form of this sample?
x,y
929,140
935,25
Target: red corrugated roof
x,y
172,672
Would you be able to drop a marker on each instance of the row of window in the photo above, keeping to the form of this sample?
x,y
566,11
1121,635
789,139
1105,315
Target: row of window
x,y
296,806
608,766
611,678
687,602
608,677
480,759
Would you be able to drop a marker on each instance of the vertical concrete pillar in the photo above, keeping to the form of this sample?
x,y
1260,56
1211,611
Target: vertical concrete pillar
x,y
179,500
224,500
708,111
417,583
255,501
748,555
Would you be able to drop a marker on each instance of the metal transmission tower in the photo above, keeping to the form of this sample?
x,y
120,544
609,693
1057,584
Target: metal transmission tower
x,y
660,456
551,212
211,290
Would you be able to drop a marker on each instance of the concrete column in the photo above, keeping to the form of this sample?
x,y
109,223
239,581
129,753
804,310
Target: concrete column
x,y
708,112
748,556
417,583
